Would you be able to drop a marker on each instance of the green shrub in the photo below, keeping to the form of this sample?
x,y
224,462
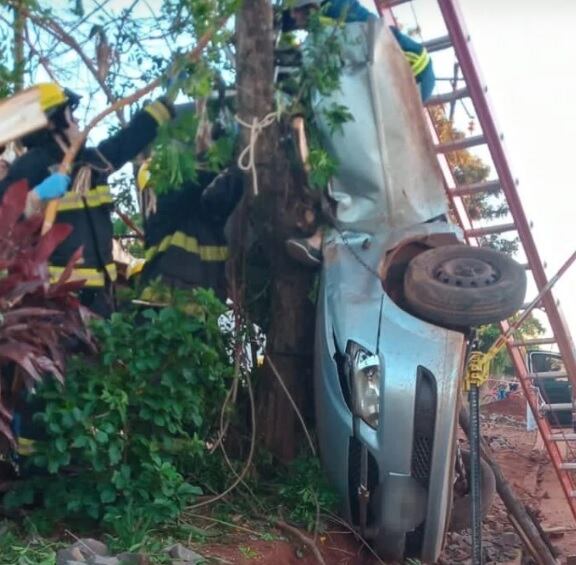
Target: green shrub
x,y
305,491
130,425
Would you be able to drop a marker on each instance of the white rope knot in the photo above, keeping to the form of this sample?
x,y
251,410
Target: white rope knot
x,y
247,158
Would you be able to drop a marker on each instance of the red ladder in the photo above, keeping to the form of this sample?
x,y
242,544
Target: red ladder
x,y
475,91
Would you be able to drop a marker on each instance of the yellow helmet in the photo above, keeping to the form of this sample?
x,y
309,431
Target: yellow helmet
x,y
53,97
143,176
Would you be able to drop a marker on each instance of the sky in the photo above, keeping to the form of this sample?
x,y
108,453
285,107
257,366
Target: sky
x,y
533,93
525,51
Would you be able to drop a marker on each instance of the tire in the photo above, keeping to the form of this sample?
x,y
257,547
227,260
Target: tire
x,y
459,286
460,518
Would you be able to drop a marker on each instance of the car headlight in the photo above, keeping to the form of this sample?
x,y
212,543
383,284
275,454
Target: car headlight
x,y
364,369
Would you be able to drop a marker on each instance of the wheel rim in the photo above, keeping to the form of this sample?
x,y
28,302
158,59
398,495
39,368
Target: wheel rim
x,y
466,272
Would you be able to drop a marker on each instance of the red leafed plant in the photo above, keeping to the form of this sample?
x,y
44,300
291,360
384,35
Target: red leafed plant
x,y
37,317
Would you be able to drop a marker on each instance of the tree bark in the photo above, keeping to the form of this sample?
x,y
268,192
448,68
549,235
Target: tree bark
x,y
273,216
19,60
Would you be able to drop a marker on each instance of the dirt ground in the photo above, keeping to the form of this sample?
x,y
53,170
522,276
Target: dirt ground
x,y
526,466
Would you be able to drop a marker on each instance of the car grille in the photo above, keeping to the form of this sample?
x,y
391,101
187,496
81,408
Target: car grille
x,y
424,424
422,445
422,459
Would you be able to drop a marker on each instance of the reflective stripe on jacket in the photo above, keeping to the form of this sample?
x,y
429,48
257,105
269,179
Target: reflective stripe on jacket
x,y
350,11
185,243
98,196
190,245
418,61
93,277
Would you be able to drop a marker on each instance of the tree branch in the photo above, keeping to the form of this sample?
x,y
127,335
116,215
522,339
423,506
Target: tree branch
x,y
19,30
41,58
297,533
72,151
55,29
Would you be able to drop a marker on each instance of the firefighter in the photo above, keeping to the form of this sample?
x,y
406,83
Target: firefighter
x,y
85,198
351,11
184,235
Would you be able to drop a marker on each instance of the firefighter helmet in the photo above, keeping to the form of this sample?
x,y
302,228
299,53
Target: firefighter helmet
x,y
53,97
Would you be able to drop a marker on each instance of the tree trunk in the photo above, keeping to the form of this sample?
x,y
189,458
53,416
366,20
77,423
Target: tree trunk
x,y
273,215
19,60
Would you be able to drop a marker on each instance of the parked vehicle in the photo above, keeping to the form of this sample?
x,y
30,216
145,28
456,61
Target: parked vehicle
x,y
399,292
552,389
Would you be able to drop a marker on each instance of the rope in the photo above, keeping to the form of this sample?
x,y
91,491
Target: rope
x,y
83,180
246,159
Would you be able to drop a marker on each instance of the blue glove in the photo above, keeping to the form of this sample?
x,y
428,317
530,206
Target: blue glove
x,y
53,186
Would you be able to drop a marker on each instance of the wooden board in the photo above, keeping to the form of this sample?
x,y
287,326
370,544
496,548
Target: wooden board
x,y
21,114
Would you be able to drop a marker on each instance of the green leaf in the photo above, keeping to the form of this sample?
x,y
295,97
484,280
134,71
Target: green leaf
x,y
114,453
186,489
61,444
108,495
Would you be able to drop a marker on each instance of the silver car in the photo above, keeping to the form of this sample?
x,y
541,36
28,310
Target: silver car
x,y
399,293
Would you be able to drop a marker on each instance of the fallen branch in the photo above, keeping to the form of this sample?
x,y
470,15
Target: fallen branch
x,y
349,528
227,524
297,533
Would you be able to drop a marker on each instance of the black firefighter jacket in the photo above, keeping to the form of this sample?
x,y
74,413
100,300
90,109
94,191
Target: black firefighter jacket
x,y
185,242
89,212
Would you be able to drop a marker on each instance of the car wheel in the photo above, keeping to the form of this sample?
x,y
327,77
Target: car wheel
x,y
460,286
461,507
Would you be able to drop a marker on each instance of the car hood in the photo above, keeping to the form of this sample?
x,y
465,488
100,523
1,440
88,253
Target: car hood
x,y
388,175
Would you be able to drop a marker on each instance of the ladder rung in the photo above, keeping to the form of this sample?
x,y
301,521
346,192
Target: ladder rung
x,y
557,437
459,144
537,341
556,407
438,44
448,97
537,307
476,188
549,375
488,230
568,466
562,437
